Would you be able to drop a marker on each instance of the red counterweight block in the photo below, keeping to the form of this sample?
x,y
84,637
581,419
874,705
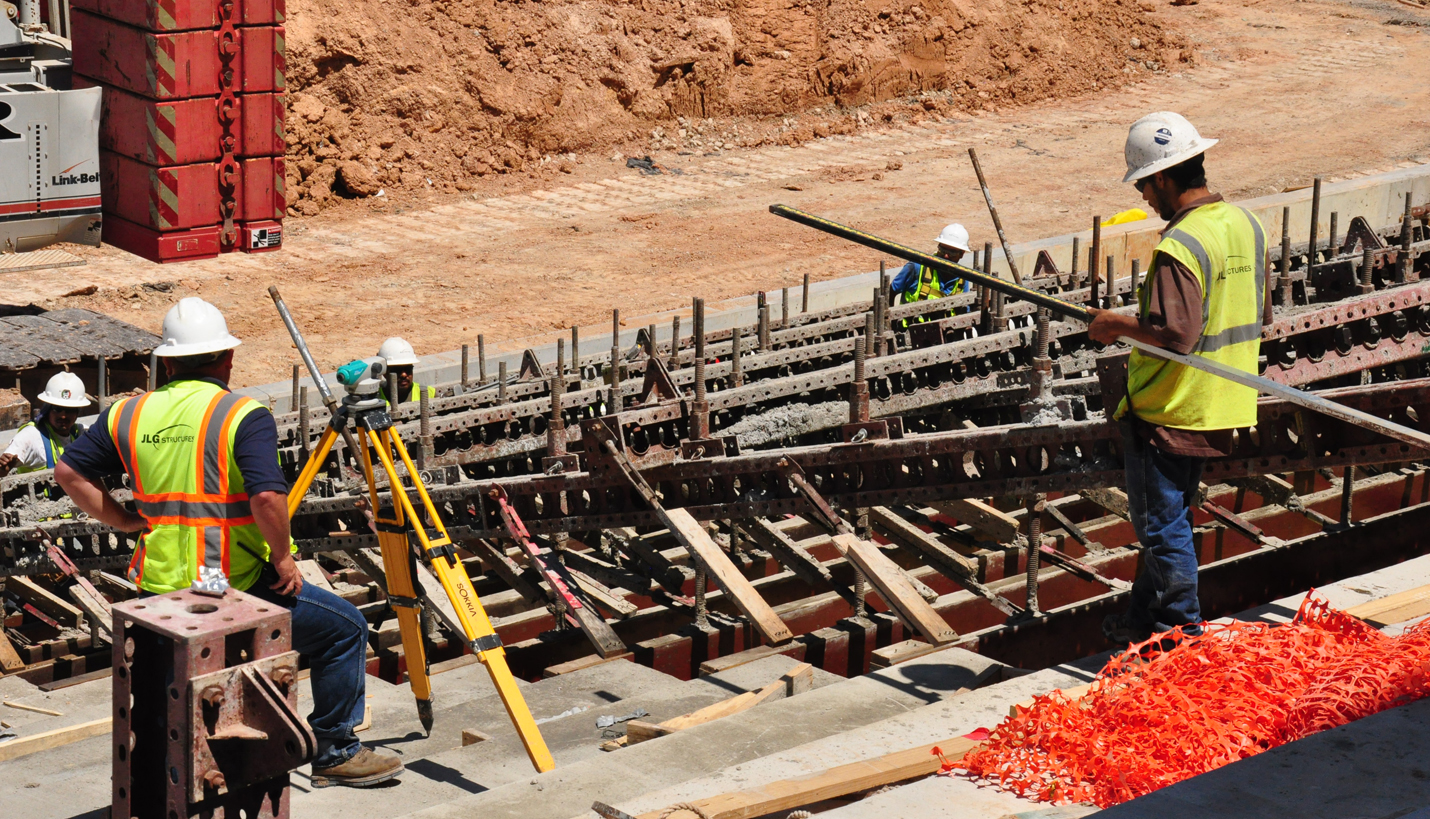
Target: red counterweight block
x,y
184,15
188,196
175,65
183,132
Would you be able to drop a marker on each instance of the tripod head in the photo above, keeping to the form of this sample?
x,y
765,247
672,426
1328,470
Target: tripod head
x,y
362,379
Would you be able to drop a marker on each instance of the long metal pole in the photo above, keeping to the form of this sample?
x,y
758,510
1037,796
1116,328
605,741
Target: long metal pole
x,y
1056,305
993,211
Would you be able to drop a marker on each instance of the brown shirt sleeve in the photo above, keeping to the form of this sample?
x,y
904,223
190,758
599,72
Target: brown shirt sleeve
x,y
1174,306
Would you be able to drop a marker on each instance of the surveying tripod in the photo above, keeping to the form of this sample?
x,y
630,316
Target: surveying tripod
x,y
403,538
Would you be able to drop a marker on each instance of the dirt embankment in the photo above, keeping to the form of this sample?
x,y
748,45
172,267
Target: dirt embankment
x,y
432,94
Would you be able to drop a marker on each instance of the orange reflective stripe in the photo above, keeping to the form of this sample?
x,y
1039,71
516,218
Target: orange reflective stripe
x,y
225,452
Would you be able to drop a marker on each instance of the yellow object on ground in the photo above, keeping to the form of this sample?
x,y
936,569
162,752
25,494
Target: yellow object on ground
x,y
1134,215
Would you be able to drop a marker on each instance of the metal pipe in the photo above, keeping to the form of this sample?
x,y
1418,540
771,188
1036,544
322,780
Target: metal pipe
x,y
650,340
561,356
153,373
736,379
613,374
463,388
103,381
1284,287
784,307
1035,548
1315,225
293,402
304,441
993,211
501,382
804,302
481,359
1136,274
1094,259
1348,480
1072,274
55,27
392,397
674,360
1402,270
764,328
424,429
576,352
700,412
1111,293
1332,249
29,12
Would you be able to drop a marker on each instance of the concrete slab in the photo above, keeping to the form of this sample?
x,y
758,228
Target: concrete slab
x,y
757,674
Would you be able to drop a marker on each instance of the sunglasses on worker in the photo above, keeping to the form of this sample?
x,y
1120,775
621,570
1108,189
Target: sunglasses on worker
x,y
1141,184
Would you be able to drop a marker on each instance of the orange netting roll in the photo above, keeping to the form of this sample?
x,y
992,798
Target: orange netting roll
x,y
1151,719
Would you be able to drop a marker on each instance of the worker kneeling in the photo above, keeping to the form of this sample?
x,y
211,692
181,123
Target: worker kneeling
x,y
203,464
401,360
40,443
1206,296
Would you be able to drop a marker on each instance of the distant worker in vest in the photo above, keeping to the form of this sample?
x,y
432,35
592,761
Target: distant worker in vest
x,y
40,443
1206,296
918,283
401,359
203,465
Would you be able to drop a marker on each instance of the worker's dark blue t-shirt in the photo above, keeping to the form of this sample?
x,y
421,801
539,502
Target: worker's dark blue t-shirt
x,y
255,450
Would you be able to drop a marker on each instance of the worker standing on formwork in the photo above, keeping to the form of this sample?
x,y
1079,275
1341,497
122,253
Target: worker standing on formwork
x,y
401,360
203,466
919,283
1208,296
40,443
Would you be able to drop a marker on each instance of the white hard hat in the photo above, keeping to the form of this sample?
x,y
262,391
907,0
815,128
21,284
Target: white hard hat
x,y
65,390
194,327
1158,141
397,352
954,236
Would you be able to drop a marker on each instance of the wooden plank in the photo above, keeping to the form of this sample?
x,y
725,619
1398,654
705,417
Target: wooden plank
x,y
981,516
737,659
582,662
24,746
895,590
9,660
600,594
788,552
789,794
35,708
1112,499
44,600
101,619
1397,608
898,529
795,681
313,573
471,737
80,679
694,537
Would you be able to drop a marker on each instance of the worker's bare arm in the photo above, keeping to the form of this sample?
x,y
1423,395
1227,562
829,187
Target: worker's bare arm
x,y
91,496
1107,327
7,462
270,513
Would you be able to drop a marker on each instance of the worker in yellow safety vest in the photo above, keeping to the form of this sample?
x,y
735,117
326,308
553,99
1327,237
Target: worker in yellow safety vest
x,y
1206,295
40,443
211,504
401,359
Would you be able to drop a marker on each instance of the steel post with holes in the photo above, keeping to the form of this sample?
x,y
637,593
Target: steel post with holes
x,y
1284,283
205,708
1072,274
1407,235
1094,254
463,388
700,408
481,358
1315,224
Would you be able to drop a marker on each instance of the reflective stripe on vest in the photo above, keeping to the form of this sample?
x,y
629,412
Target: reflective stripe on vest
x,y
1225,248
928,287
186,485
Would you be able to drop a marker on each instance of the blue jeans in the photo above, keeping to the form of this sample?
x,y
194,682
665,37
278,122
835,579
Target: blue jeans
x,y
333,635
1161,488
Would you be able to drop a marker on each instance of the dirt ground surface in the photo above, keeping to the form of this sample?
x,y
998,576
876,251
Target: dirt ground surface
x,y
1293,90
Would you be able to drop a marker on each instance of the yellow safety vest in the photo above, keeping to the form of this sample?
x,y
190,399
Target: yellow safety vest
x,y
928,286
177,446
415,394
54,447
1225,248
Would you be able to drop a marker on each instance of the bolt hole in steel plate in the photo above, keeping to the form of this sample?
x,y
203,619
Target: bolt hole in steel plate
x,y
201,608
276,634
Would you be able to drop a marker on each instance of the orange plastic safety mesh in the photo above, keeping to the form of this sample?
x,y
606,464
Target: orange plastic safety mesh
x,y
1152,719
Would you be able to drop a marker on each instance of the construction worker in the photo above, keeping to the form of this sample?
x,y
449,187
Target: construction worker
x,y
178,444
401,359
1207,295
918,283
40,443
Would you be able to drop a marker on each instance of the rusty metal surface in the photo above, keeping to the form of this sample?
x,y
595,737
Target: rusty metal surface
x,y
205,707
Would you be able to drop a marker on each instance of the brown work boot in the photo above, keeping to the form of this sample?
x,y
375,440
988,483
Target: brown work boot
x,y
365,769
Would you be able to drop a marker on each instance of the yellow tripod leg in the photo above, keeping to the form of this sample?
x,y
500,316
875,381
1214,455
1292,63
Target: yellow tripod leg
x,y
310,469
401,591
458,585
